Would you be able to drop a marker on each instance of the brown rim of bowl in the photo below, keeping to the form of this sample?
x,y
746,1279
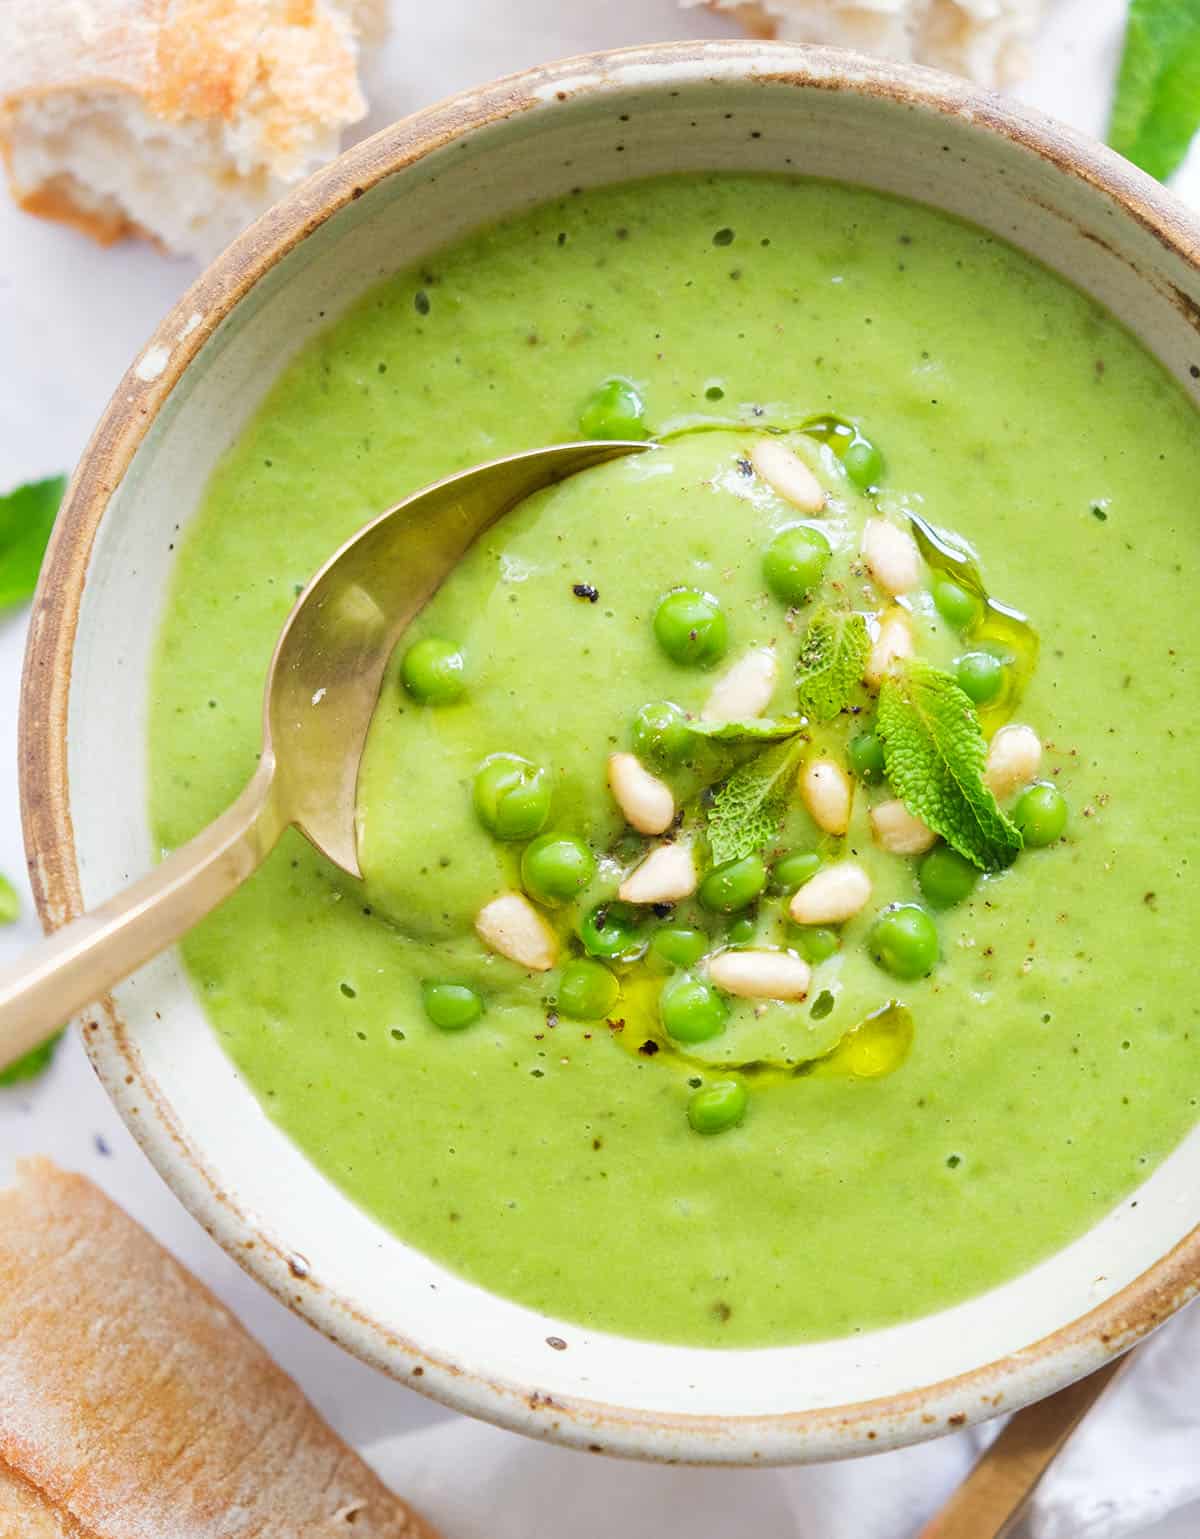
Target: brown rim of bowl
x,y
1033,1371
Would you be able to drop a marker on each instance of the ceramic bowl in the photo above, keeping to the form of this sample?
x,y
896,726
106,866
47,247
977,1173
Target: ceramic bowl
x,y
382,206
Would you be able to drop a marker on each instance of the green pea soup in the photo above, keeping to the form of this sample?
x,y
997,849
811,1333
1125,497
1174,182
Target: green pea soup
x,y
589,1165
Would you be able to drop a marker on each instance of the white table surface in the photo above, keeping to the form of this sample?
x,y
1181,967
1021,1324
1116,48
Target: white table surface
x,y
71,318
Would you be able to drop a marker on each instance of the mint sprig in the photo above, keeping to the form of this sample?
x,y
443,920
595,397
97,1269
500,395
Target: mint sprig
x,y
747,812
26,519
833,654
934,753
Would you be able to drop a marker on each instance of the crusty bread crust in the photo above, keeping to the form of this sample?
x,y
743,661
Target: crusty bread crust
x,y
291,61
26,1514
134,1406
52,45
288,66
55,201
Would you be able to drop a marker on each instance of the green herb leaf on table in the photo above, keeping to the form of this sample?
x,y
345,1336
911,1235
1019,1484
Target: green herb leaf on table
x,y
1156,109
747,812
764,729
934,753
26,519
38,1060
833,654
34,1063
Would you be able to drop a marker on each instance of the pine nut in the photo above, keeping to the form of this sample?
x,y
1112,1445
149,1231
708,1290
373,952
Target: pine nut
x,y
746,689
891,555
786,473
1012,761
834,895
666,875
826,791
760,974
897,831
645,802
893,642
512,926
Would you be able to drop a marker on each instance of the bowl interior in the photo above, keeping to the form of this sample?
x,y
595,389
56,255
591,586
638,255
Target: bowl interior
x,y
687,107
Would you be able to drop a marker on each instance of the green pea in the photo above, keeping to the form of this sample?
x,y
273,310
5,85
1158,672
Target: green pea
x,y
660,734
586,990
980,675
733,885
690,627
612,930
691,1010
904,941
512,796
865,753
718,1106
945,877
434,672
614,410
818,944
678,946
1041,814
795,562
792,871
957,605
556,868
742,931
863,463
451,1006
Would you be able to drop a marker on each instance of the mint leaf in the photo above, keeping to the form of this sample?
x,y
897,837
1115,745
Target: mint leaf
x,y
764,729
748,810
26,519
833,654
37,1061
34,1063
934,754
1157,106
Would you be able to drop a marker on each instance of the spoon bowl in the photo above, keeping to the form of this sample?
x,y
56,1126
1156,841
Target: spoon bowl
x,y
322,688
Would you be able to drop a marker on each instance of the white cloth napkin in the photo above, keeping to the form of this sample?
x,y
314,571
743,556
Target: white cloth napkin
x,y
1136,1460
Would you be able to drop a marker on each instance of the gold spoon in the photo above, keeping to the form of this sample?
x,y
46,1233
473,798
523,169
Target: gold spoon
x,y
996,1493
322,689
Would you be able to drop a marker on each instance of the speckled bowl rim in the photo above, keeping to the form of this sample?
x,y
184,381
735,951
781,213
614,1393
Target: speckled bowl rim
x,y
831,1432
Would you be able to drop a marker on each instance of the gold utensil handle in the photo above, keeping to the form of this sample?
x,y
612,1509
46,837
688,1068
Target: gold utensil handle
x,y
81,961
994,1494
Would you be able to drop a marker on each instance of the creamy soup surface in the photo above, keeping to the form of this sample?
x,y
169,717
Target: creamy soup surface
x,y
732,1115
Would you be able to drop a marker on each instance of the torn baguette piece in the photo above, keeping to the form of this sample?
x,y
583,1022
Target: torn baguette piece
x,y
987,40
133,1402
178,119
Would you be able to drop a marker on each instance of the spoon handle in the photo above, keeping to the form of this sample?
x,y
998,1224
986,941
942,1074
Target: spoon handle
x,y
994,1494
80,962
